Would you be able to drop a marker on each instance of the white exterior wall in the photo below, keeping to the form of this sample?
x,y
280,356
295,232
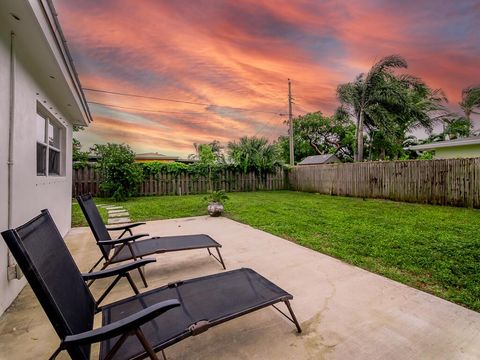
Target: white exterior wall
x,y
31,193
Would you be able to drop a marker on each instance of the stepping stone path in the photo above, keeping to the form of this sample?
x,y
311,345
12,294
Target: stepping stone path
x,y
116,214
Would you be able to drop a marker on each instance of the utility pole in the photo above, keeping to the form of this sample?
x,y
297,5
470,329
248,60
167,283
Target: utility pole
x,y
290,122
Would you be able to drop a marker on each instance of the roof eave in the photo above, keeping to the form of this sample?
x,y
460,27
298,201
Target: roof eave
x,y
52,17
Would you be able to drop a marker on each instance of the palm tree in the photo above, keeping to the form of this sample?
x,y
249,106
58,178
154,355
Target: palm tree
x,y
421,108
470,101
253,153
215,146
366,96
457,127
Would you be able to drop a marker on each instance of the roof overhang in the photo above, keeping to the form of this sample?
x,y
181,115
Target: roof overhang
x,y
42,48
447,144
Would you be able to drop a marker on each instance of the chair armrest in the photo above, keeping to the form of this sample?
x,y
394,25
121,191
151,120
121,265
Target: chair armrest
x,y
125,227
122,240
121,326
122,269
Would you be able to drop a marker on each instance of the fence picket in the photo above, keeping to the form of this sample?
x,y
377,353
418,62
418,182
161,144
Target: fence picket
x,y
444,182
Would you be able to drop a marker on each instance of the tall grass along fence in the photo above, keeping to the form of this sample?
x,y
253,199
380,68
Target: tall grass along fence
x,y
87,180
444,182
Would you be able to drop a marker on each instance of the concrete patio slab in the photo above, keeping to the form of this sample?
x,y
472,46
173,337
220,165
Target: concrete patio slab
x,y
345,312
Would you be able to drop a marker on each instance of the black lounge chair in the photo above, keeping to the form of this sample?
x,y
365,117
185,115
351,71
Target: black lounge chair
x,y
141,325
128,248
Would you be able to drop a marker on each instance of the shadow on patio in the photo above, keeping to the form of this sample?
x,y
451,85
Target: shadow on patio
x,y
345,312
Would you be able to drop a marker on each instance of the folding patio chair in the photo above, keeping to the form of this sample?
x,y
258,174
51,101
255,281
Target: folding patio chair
x,y
128,248
141,325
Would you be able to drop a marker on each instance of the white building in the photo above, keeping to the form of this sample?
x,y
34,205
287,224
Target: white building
x,y
40,99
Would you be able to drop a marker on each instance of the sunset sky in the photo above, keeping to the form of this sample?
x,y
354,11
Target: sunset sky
x,y
231,59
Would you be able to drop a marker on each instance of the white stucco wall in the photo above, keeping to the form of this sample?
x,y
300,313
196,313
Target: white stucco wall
x,y
31,193
457,152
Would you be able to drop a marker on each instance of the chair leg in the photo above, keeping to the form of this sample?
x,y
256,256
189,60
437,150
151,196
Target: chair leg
x,y
142,275
96,264
146,345
55,354
132,284
106,292
117,345
294,318
105,264
221,259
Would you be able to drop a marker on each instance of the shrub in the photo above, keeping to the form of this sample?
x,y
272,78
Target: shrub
x,y
157,167
120,175
79,157
218,197
426,155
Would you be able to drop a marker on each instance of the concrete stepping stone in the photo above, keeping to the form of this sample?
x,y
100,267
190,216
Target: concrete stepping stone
x,y
120,220
117,215
112,207
116,211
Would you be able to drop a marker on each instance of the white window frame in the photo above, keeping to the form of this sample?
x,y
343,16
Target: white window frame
x,y
50,120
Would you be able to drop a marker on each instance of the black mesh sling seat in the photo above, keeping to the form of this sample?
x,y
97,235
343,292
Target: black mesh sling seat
x,y
138,326
128,248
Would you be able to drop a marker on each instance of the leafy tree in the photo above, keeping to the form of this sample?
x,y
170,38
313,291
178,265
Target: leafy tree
x,y
316,134
301,150
120,175
253,153
79,157
77,153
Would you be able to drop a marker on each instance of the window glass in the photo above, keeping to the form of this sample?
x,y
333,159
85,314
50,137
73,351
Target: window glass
x,y
50,139
40,129
53,162
41,159
53,135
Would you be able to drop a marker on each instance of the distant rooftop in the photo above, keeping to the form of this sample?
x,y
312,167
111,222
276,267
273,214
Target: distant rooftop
x,y
319,159
472,140
152,156
155,155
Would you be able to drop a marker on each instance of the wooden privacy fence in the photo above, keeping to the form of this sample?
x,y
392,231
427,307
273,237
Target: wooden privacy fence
x,y
444,182
87,180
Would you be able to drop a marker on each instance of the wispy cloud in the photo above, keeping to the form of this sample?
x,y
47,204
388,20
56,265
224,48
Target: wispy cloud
x,y
239,54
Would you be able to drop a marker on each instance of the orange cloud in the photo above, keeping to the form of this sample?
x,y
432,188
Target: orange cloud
x,y
239,54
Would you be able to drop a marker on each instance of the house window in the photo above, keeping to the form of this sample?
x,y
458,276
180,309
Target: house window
x,y
49,143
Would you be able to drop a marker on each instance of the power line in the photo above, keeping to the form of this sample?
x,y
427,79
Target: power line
x,y
189,121
179,101
145,110
264,126
146,97
300,108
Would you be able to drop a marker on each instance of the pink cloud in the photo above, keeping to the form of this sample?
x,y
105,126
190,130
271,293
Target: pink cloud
x,y
239,54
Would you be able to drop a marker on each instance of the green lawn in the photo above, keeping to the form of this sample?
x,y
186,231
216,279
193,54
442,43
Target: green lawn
x,y
432,248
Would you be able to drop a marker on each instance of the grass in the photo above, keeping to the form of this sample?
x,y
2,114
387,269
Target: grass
x,y
432,248
77,216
